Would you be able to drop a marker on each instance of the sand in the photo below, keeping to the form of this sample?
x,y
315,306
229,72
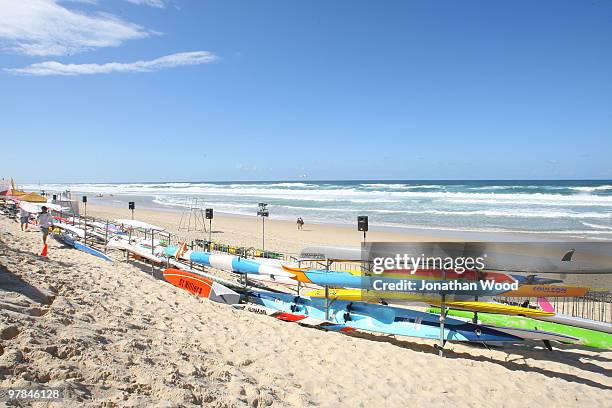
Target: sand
x,y
115,335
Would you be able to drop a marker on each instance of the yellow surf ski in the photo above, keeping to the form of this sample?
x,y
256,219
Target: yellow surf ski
x,y
473,306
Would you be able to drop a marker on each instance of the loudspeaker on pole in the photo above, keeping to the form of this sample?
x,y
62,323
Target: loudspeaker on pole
x,y
362,223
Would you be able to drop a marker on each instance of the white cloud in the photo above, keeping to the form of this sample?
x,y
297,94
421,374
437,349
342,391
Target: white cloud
x,y
45,28
169,61
152,3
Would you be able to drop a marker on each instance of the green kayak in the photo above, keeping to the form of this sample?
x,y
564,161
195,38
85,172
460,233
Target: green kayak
x,y
590,338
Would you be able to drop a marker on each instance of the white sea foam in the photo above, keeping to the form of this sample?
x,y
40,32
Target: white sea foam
x,y
597,226
591,189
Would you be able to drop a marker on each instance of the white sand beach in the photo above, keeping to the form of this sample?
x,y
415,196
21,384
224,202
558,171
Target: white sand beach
x,y
115,335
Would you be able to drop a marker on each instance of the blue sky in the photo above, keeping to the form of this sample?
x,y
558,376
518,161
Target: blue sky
x,y
154,90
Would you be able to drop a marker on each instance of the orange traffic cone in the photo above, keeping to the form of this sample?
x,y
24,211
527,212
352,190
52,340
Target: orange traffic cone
x,y
44,251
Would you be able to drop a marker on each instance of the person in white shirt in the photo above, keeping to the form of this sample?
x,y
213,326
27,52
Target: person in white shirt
x,y
24,216
45,220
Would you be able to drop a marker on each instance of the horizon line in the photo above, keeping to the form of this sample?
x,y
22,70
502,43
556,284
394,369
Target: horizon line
x,y
321,181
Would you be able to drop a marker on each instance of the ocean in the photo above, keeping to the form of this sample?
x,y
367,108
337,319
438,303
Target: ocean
x,y
569,208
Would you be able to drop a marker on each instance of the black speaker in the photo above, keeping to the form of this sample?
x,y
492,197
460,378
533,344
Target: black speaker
x,y
84,199
209,213
362,223
54,197
132,205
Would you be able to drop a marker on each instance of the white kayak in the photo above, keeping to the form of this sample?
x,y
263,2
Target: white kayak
x,y
78,231
118,243
139,224
34,208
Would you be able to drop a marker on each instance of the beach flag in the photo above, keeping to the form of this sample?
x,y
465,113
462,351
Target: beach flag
x,y
44,251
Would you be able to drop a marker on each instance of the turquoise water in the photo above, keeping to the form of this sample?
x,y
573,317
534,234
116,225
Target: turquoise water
x,y
568,208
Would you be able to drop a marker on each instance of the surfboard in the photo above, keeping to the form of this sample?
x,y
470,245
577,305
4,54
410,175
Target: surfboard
x,y
201,286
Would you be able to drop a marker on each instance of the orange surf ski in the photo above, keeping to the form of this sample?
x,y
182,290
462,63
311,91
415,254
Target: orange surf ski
x,y
198,285
201,286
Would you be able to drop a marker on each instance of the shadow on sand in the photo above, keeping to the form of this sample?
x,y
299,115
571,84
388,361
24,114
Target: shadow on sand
x,y
10,282
562,355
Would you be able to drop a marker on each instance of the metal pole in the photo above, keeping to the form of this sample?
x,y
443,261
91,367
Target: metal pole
x,y
246,286
327,265
442,318
263,236
127,253
106,236
152,248
475,319
299,283
190,262
167,257
209,233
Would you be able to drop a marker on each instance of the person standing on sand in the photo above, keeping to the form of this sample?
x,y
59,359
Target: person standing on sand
x,y
44,222
24,217
300,223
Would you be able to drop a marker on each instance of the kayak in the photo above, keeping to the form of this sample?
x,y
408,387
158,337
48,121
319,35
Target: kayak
x,y
68,240
75,230
579,322
233,263
118,243
92,251
544,290
586,337
401,298
294,317
380,319
201,286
